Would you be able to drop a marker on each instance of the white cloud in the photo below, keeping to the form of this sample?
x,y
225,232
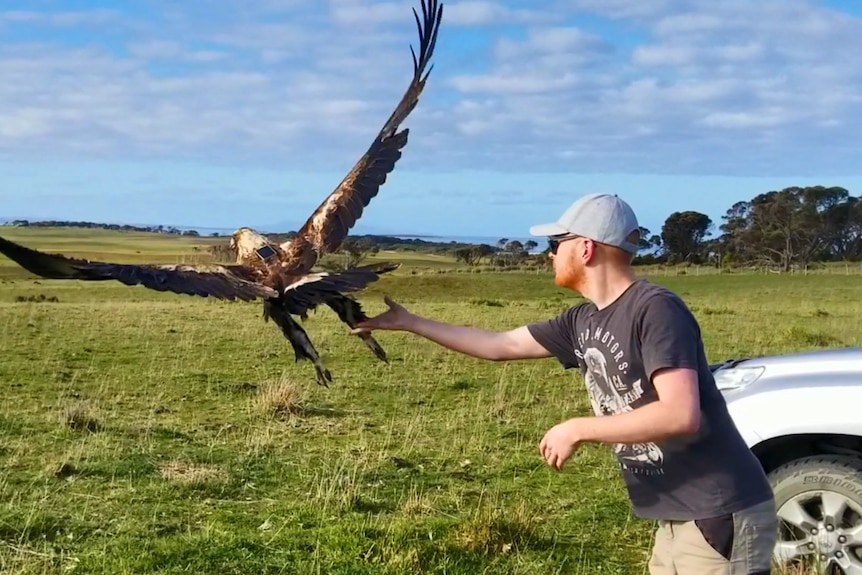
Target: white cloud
x,y
60,19
457,13
732,86
172,51
266,90
707,87
484,12
351,12
626,9
506,84
689,23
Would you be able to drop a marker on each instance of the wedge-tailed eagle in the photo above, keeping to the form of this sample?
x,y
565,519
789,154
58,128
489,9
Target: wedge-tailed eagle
x,y
281,275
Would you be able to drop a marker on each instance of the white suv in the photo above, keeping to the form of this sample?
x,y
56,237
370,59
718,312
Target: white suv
x,y
801,414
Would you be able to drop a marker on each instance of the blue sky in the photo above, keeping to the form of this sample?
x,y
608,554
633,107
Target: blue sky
x,y
223,113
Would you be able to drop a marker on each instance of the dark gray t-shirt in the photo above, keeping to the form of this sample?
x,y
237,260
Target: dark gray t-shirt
x,y
618,349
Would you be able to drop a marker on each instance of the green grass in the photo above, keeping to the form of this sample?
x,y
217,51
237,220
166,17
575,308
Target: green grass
x,y
144,432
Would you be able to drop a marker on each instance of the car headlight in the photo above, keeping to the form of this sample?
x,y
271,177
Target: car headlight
x,y
736,377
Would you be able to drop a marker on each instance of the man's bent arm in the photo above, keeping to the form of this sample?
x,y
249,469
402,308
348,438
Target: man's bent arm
x,y
496,346
676,412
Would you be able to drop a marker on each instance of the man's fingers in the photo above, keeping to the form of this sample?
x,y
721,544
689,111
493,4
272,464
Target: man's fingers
x,y
361,327
554,459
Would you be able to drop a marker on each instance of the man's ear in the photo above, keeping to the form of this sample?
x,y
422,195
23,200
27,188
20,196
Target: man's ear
x,y
588,252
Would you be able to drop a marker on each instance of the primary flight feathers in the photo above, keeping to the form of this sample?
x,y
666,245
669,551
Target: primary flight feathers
x,y
328,225
281,274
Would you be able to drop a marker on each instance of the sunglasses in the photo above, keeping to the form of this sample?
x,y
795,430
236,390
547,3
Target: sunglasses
x,y
555,241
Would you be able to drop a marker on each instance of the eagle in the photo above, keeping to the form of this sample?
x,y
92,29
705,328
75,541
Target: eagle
x,y
284,276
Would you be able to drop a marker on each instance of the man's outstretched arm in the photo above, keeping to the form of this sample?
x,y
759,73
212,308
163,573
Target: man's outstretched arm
x,y
517,343
514,344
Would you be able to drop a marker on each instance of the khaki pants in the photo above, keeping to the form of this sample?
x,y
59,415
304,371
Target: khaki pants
x,y
735,544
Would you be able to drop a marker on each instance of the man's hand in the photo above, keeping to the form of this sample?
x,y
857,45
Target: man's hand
x,y
560,442
395,318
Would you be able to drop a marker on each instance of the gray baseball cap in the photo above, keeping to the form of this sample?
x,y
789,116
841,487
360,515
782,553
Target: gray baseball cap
x,y
603,218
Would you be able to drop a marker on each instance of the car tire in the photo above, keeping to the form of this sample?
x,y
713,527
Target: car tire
x,y
803,488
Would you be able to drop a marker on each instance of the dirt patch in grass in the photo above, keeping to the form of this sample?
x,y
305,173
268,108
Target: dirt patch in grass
x,y
185,472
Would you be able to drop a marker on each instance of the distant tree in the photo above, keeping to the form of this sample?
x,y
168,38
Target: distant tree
x,y
357,249
793,226
511,253
473,254
731,243
485,251
648,240
683,234
843,233
515,247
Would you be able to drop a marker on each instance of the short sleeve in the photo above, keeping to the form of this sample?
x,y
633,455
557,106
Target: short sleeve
x,y
558,336
669,335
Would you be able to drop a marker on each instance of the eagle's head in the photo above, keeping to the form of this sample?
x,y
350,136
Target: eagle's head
x,y
244,242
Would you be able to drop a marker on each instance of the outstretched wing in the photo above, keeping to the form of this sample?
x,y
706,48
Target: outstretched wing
x,y
316,288
328,226
223,282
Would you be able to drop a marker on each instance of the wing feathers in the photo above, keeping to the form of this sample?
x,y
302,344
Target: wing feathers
x,y
314,289
327,227
339,213
223,282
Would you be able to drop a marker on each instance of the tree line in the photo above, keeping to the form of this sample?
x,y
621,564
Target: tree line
x,y
780,229
159,229
783,229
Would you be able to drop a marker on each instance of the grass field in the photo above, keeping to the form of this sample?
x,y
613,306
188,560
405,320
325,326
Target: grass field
x,y
143,432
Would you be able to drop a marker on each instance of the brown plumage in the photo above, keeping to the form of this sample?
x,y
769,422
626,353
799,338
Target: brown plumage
x,y
327,227
281,274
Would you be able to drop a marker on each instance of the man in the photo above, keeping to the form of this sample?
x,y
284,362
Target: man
x,y
655,401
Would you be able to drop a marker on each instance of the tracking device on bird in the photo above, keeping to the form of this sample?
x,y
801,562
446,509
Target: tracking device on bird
x,y
265,252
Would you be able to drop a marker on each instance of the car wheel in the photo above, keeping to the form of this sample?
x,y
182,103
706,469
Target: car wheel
x,y
819,505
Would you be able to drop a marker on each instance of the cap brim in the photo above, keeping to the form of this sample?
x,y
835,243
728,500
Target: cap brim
x,y
546,230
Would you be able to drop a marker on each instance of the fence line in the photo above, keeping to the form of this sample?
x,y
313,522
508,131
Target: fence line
x,y
846,268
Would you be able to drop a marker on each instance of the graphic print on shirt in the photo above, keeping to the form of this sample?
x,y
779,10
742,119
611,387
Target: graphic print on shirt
x,y
612,390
